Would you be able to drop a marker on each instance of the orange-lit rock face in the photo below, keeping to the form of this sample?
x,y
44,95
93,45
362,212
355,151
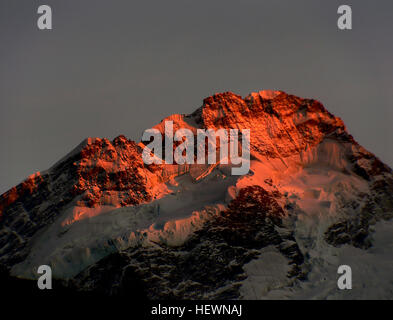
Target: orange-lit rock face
x,y
279,126
111,175
99,173
26,188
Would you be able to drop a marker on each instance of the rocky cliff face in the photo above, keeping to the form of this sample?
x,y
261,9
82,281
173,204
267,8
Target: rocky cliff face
x,y
97,175
195,231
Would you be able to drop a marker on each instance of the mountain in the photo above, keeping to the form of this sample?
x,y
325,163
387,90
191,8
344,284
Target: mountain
x,y
314,199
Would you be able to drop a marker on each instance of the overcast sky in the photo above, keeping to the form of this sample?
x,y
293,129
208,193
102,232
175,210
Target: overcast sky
x,y
119,67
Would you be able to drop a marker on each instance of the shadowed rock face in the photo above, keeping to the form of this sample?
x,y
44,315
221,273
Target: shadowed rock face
x,y
209,264
304,163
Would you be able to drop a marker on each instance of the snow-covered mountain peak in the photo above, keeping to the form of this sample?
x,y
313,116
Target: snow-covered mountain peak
x,y
311,187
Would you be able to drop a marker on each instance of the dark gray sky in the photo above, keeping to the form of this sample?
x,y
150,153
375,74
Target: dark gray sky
x,y
119,67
